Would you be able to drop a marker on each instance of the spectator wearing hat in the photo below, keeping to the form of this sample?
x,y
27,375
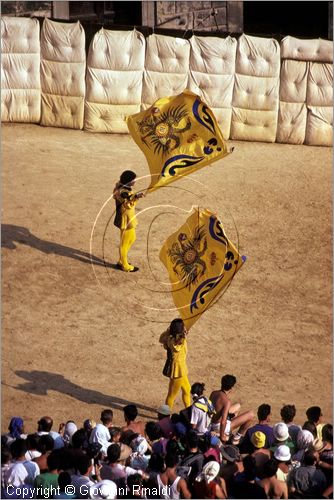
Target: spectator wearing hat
x,y
174,340
269,482
263,425
125,217
202,409
305,441
231,464
164,421
260,453
282,455
169,483
100,433
16,430
130,415
288,413
225,420
307,481
115,467
281,435
69,429
208,484
103,489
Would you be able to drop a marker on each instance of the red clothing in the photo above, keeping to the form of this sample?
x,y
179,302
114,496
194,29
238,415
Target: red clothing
x,y
167,427
202,489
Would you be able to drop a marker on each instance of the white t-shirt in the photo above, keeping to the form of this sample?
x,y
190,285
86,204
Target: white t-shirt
x,y
200,418
100,434
21,473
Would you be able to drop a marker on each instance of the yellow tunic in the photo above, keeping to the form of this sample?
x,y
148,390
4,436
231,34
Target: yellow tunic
x,y
179,353
125,208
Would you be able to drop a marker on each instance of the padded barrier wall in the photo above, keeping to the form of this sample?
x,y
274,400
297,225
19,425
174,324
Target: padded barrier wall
x,y
211,75
240,80
114,79
63,66
306,92
166,68
256,89
20,70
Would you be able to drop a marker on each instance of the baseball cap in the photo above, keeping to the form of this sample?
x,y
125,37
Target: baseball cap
x,y
164,410
230,453
282,453
258,439
281,431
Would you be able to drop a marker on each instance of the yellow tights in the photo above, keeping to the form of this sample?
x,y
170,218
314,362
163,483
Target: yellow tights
x,y
175,384
128,237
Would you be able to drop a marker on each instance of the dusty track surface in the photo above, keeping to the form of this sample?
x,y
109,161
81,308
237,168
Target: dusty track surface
x,y
78,337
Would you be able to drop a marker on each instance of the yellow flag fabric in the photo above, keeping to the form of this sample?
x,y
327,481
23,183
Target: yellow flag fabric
x,y
200,261
178,135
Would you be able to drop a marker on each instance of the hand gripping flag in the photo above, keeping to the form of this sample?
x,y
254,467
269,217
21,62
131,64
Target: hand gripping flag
x,y
178,136
200,261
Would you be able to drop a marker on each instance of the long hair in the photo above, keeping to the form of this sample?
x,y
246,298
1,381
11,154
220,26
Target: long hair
x,y
177,330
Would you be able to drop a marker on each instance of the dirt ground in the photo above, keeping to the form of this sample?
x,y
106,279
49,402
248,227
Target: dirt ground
x,y
79,337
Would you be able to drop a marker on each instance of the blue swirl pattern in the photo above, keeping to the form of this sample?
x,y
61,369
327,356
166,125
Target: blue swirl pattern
x,y
207,121
183,162
203,289
216,230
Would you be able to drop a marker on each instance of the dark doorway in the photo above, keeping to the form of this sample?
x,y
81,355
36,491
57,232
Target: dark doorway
x,y
127,13
300,19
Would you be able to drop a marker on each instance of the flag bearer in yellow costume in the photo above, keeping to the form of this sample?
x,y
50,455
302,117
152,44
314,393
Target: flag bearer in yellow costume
x,y
125,218
174,339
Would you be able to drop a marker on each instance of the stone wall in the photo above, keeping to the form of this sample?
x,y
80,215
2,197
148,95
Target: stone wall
x,y
201,16
42,9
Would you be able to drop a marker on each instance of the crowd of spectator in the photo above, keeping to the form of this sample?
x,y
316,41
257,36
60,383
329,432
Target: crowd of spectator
x,y
201,452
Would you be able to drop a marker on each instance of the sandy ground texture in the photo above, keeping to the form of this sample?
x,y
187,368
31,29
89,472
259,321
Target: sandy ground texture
x,y
79,337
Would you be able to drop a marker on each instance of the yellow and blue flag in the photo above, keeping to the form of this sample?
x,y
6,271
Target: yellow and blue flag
x,y
178,135
201,261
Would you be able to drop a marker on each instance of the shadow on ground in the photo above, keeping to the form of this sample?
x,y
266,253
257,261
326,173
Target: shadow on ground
x,y
11,235
40,382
